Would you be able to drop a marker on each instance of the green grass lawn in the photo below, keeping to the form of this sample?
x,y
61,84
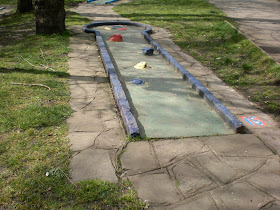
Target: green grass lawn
x,y
34,149
207,34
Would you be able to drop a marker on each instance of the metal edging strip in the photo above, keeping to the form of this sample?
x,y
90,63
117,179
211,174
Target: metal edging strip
x,y
124,107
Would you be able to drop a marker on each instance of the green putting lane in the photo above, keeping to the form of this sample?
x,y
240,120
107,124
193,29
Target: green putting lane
x,y
97,2
165,106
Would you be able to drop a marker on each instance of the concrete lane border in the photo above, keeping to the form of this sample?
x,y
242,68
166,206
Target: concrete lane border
x,y
119,94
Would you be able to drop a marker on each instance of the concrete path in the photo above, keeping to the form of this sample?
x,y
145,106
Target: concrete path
x,y
95,130
240,171
259,20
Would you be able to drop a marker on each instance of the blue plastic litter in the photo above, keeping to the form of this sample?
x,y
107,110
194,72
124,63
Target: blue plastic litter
x,y
137,82
1,8
148,51
108,2
90,1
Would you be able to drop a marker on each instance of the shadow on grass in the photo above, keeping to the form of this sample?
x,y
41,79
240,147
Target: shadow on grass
x,y
210,16
34,71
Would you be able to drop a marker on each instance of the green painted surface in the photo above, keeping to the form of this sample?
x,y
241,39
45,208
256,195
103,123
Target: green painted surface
x,y
165,106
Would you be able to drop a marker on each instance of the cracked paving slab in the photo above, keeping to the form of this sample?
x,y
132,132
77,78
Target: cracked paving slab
x,y
271,183
215,168
205,203
170,151
85,121
82,140
138,158
190,180
239,145
83,89
245,165
96,164
271,137
240,195
110,139
156,187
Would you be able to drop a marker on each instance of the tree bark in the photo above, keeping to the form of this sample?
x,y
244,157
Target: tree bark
x,y
24,6
50,16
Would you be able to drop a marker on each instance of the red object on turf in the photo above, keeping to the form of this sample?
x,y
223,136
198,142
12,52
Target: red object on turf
x,y
122,29
116,38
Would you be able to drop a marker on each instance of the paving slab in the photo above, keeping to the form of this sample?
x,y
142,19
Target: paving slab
x,y
138,157
273,205
239,101
83,88
169,151
85,121
77,64
155,188
110,139
240,196
83,52
229,105
205,203
93,164
97,66
100,77
101,102
78,104
197,72
271,137
109,114
111,124
82,140
246,165
242,145
85,72
215,167
213,82
267,178
190,180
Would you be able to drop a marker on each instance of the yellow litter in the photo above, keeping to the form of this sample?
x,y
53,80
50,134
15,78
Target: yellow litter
x,y
107,28
141,65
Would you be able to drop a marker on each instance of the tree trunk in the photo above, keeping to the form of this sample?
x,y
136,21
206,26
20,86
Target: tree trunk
x,y
50,16
24,6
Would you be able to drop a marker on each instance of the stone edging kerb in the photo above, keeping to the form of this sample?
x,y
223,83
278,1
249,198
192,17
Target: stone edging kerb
x,y
120,97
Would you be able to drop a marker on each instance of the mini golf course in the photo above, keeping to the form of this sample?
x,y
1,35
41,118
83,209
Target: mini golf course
x,y
154,100
101,1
